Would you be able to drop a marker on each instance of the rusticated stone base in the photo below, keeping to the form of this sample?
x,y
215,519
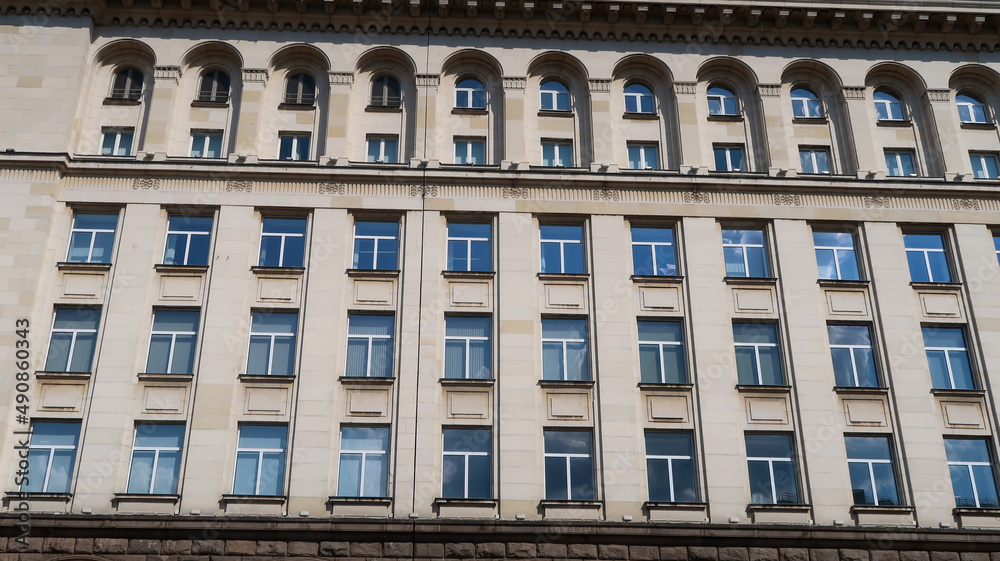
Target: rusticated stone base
x,y
153,538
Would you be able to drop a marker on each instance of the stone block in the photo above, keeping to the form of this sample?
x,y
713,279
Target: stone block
x,y
59,545
703,553
793,554
552,550
207,547
861,555
893,555
334,549
824,555
34,545
491,550
110,545
366,549
521,550
241,547
673,553
944,556
144,547
763,554
974,556
581,551
459,550
612,552
84,545
643,553
271,548
913,556
303,549
731,554
172,547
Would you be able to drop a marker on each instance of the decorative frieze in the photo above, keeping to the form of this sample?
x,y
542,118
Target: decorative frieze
x,y
854,92
514,82
429,80
423,190
600,85
769,90
167,73
878,202
939,95
146,183
607,195
687,88
515,193
965,204
697,197
254,75
331,189
786,199
239,186
341,78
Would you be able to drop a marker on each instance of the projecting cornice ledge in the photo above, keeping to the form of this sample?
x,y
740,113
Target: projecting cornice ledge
x,y
879,24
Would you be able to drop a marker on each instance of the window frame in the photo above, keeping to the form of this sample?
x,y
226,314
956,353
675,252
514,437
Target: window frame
x,y
898,154
969,464
885,106
272,340
188,236
470,92
70,354
260,458
302,81
855,377
720,98
385,156
803,103
133,87
364,460
376,238
172,347
770,468
119,133
982,170
467,340
284,240
763,246
653,245
670,458
560,147
729,150
295,139
370,346
568,456
562,249
812,151
837,251
469,247
215,93
51,448
869,463
756,346
93,232
465,455
638,98
206,137
683,377
974,382
555,96
384,82
586,371
644,149
156,457
928,267
970,106
469,143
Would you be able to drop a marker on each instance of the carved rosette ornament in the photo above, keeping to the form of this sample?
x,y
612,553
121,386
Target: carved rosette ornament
x,y
965,204
878,202
423,190
784,199
515,192
146,183
239,186
607,195
697,197
332,188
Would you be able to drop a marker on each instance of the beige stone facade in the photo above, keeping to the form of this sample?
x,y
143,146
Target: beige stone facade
x,y
85,137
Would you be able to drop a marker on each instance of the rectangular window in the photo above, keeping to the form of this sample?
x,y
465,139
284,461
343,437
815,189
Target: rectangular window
x,y
73,338
383,149
728,157
984,165
469,247
282,242
835,255
899,163
972,476
376,245
369,346
272,343
172,342
758,359
364,462
927,258
661,352
470,151
771,462
557,153
467,347
117,142
260,460
564,349
643,156
948,358
51,454
569,466
293,146
745,253
208,144
814,160
466,468
873,479
156,459
670,467
853,358
92,238
653,251
562,249
189,239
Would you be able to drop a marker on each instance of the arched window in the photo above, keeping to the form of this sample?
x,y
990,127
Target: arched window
x,y
722,101
470,94
127,84
300,89
555,96
805,104
638,99
214,87
970,109
888,107
386,92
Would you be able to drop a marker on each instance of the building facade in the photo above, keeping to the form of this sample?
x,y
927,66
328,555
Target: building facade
x,y
500,279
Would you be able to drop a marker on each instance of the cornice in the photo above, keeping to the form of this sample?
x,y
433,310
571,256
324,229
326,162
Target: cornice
x,y
940,25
